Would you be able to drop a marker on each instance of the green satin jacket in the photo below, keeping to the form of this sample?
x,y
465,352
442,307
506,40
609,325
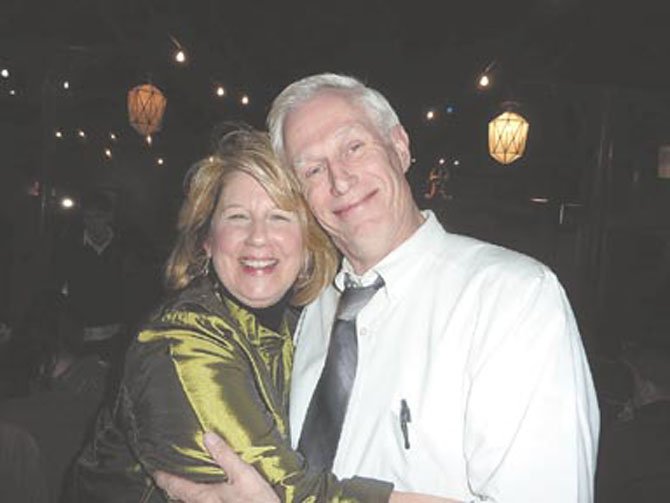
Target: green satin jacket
x,y
203,363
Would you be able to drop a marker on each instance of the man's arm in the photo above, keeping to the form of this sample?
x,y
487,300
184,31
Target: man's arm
x,y
244,484
531,397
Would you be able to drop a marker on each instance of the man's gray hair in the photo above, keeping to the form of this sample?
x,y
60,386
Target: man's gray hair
x,y
301,91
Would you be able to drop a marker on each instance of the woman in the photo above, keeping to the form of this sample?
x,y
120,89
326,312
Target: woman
x,y
217,355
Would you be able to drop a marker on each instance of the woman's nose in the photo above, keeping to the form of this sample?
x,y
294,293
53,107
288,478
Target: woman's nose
x,y
258,231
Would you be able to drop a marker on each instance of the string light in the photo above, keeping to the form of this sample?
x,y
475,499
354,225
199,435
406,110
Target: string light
x,y
67,203
5,73
485,79
179,54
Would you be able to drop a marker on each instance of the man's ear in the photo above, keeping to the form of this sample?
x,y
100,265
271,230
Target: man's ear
x,y
400,142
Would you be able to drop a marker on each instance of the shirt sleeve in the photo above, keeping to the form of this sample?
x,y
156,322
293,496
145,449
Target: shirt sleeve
x,y
185,383
531,424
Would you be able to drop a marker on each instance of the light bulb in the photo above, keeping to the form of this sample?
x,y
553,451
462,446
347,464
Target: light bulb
x,y
484,81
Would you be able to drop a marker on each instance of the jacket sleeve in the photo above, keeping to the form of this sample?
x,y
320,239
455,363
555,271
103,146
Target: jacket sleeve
x,y
184,383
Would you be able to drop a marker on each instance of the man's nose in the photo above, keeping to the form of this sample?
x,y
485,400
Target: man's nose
x,y
342,178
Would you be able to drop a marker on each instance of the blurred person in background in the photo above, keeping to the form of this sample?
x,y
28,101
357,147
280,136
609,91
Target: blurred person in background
x,y
634,454
89,269
55,392
107,273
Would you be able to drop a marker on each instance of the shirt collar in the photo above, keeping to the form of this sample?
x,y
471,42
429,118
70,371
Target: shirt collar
x,y
98,247
395,269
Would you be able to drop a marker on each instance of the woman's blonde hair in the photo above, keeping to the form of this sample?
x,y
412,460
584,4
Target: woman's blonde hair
x,y
246,151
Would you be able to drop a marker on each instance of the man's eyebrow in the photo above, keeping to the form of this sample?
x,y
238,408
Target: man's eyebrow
x,y
347,129
300,163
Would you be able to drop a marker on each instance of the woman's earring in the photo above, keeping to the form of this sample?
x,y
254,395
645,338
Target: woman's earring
x,y
205,268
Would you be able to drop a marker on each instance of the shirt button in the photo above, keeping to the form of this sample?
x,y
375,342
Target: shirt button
x,y
364,331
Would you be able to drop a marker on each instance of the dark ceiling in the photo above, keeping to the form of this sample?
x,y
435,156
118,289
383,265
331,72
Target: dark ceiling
x,y
267,43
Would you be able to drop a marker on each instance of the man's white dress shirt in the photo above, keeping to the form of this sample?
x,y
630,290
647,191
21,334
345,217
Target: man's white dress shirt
x,y
481,344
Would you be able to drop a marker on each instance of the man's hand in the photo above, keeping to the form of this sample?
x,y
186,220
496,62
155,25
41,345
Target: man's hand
x,y
244,483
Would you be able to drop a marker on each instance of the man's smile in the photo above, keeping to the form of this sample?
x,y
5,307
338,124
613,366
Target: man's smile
x,y
349,209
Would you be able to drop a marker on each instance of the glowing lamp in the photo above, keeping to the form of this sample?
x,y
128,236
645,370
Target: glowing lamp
x,y
484,81
146,105
508,134
67,203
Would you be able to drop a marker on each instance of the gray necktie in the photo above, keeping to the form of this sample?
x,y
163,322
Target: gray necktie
x,y
323,422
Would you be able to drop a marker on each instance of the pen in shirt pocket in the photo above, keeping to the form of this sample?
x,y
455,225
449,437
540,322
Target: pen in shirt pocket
x,y
405,418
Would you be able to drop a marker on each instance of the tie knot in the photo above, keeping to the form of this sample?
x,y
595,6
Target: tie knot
x,y
355,297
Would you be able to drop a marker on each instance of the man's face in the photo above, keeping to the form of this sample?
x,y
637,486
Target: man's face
x,y
97,220
352,177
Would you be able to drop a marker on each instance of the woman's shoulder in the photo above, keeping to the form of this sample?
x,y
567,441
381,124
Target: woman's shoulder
x,y
199,296
193,313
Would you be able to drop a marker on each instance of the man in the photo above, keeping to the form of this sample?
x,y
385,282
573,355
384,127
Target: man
x,y
471,382
90,270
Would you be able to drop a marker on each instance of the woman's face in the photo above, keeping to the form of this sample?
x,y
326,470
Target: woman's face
x,y
256,248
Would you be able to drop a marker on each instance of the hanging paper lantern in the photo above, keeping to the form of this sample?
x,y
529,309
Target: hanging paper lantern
x,y
508,134
146,105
